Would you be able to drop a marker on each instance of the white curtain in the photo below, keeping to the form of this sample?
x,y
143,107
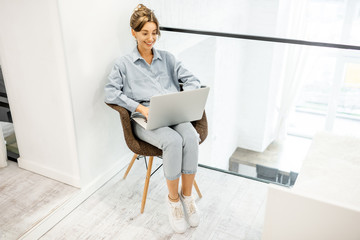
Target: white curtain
x,y
294,65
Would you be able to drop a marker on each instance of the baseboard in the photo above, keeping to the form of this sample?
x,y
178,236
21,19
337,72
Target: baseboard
x,y
57,214
49,172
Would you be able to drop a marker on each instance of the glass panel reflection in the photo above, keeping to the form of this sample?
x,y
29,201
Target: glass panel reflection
x,y
257,88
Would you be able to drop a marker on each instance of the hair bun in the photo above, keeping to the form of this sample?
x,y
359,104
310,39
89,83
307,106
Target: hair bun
x,y
139,7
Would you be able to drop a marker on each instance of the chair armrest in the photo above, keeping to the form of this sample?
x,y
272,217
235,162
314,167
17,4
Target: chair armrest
x,y
126,125
201,126
134,144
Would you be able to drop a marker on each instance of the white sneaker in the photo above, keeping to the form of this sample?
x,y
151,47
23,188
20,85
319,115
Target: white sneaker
x,y
176,216
191,211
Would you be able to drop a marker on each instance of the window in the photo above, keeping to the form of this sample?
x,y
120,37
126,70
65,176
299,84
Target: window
x,y
330,95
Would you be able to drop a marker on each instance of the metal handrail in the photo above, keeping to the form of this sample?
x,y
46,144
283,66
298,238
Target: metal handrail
x,y
261,38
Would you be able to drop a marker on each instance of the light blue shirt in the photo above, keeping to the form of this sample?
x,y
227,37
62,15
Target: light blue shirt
x,y
132,80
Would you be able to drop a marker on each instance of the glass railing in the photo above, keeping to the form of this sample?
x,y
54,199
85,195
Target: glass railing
x,y
251,80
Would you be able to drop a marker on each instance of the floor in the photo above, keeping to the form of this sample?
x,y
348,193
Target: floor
x,y
232,208
26,198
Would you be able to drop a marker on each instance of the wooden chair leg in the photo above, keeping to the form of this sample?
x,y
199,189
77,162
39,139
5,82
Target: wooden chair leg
x,y
148,173
197,189
130,165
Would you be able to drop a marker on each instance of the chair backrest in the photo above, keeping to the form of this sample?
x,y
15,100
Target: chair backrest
x,y
143,148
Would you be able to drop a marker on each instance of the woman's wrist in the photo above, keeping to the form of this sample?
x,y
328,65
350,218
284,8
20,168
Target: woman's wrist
x,y
139,108
143,110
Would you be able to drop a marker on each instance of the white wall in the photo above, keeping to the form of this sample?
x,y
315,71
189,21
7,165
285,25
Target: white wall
x,y
95,33
223,16
33,63
296,215
228,61
253,96
55,56
259,85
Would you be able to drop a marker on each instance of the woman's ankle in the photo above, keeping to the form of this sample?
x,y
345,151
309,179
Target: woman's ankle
x,y
186,194
174,198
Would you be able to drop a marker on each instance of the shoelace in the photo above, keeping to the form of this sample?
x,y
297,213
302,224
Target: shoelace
x,y
190,206
177,212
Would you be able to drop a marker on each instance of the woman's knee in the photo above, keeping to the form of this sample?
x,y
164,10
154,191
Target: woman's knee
x,y
188,133
191,138
172,140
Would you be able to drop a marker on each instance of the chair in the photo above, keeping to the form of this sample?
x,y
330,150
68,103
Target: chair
x,y
141,148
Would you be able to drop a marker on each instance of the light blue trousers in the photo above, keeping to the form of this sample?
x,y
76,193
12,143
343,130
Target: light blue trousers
x,y
180,146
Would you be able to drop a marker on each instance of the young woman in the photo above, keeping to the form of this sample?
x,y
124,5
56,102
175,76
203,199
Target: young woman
x,y
134,79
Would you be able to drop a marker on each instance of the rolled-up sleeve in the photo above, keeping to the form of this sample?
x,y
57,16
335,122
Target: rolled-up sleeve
x,y
185,76
113,90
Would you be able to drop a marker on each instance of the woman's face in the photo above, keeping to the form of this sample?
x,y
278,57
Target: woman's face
x,y
147,36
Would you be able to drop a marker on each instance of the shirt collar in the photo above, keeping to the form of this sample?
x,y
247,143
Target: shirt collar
x,y
136,55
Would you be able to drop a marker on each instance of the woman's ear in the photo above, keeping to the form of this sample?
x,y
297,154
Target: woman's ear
x,y
133,32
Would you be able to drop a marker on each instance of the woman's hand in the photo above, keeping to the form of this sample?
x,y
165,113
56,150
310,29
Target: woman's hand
x,y
143,110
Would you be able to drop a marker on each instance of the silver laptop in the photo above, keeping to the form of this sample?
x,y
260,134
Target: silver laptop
x,y
174,108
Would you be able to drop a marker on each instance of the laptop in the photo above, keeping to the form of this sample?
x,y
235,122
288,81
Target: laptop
x,y
174,108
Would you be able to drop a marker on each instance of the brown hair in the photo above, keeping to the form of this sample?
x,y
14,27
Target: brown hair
x,y
141,16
